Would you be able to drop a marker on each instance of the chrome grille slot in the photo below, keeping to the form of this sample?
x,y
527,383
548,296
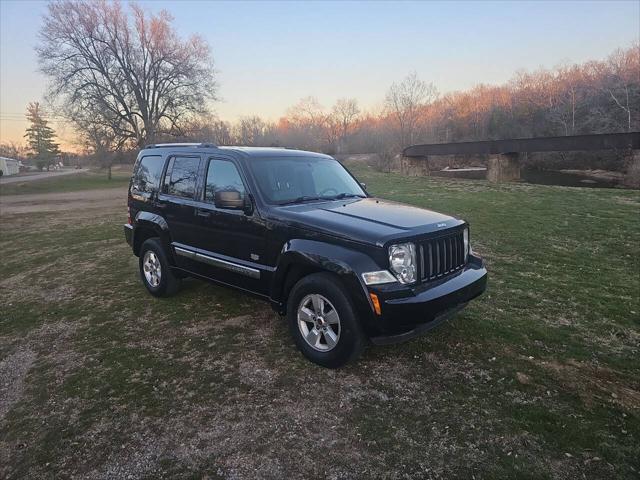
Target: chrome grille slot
x,y
441,256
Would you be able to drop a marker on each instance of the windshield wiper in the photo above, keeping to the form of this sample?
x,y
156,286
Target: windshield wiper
x,y
309,198
304,198
340,196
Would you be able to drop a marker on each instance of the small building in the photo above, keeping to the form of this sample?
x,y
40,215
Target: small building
x,y
9,166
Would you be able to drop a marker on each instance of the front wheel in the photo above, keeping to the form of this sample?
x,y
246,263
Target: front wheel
x,y
322,321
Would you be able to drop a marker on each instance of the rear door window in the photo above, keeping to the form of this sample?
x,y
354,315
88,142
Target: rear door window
x,y
182,177
146,178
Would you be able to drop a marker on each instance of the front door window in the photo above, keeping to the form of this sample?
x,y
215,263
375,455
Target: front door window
x,y
223,176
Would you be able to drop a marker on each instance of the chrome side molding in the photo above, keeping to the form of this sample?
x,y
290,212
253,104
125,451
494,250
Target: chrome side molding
x,y
218,262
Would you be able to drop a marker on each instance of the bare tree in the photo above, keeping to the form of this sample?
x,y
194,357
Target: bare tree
x,y
405,100
558,93
99,141
308,122
251,131
13,150
220,133
385,158
307,111
622,79
128,72
207,129
344,113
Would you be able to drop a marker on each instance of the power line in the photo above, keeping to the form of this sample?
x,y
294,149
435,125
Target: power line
x,y
54,122
23,115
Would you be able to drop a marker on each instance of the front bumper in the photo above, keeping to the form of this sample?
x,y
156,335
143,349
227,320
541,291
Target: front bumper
x,y
419,330
407,312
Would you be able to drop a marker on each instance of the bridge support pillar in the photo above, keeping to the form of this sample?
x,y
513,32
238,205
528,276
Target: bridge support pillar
x,y
415,166
632,176
504,167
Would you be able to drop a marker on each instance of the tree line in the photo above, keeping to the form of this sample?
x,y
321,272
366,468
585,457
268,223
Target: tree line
x,y
594,97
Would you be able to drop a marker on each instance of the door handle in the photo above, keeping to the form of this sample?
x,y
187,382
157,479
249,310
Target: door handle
x,y
203,213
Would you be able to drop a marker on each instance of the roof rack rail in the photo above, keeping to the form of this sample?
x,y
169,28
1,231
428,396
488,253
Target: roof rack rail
x,y
172,145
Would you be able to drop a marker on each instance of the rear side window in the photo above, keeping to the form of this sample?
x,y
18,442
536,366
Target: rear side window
x,y
182,176
222,176
146,177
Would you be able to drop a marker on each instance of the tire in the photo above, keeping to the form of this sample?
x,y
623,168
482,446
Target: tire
x,y
334,344
163,283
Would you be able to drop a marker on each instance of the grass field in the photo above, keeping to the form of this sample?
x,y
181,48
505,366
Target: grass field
x,y
539,378
68,183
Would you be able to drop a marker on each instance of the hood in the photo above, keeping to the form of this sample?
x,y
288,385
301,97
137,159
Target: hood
x,y
367,220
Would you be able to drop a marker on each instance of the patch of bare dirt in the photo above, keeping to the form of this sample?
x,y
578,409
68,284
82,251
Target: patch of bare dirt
x,y
16,288
619,339
592,382
13,370
50,345
63,201
631,201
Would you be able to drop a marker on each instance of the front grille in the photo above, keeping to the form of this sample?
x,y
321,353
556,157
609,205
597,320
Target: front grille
x,y
441,256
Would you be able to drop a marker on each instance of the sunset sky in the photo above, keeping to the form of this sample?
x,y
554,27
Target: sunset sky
x,y
271,54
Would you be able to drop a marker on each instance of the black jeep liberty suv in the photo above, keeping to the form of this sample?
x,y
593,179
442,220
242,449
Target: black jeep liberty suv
x,y
298,230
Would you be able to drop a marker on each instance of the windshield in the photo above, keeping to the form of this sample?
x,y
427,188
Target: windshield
x,y
298,179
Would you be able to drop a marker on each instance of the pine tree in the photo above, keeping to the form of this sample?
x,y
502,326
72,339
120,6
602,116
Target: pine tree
x,y
40,138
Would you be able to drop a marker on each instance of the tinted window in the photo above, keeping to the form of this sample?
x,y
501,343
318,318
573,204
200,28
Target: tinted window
x,y
282,180
222,176
181,177
146,177
325,180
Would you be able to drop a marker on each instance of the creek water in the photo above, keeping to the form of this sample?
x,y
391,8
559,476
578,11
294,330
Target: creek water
x,y
540,177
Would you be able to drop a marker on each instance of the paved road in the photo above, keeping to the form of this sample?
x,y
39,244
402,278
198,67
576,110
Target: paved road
x,y
38,176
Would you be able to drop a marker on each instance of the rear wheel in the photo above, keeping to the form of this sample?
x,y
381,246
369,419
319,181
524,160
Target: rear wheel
x,y
322,321
155,270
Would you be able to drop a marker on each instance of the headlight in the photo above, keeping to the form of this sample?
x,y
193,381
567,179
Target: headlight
x,y
465,237
402,262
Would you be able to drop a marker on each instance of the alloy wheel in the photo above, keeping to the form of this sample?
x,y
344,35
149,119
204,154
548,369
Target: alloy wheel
x,y
319,322
152,269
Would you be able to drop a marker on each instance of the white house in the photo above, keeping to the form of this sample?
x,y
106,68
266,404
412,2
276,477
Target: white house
x,y
9,166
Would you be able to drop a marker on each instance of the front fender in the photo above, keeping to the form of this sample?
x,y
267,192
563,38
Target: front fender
x,y
346,263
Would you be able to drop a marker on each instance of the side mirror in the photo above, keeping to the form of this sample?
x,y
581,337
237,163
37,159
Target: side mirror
x,y
229,199
364,186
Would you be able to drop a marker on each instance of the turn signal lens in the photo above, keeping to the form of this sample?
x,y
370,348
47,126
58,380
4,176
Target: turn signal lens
x,y
376,303
376,278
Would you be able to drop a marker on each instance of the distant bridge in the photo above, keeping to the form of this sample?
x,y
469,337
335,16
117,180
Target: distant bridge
x,y
504,155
